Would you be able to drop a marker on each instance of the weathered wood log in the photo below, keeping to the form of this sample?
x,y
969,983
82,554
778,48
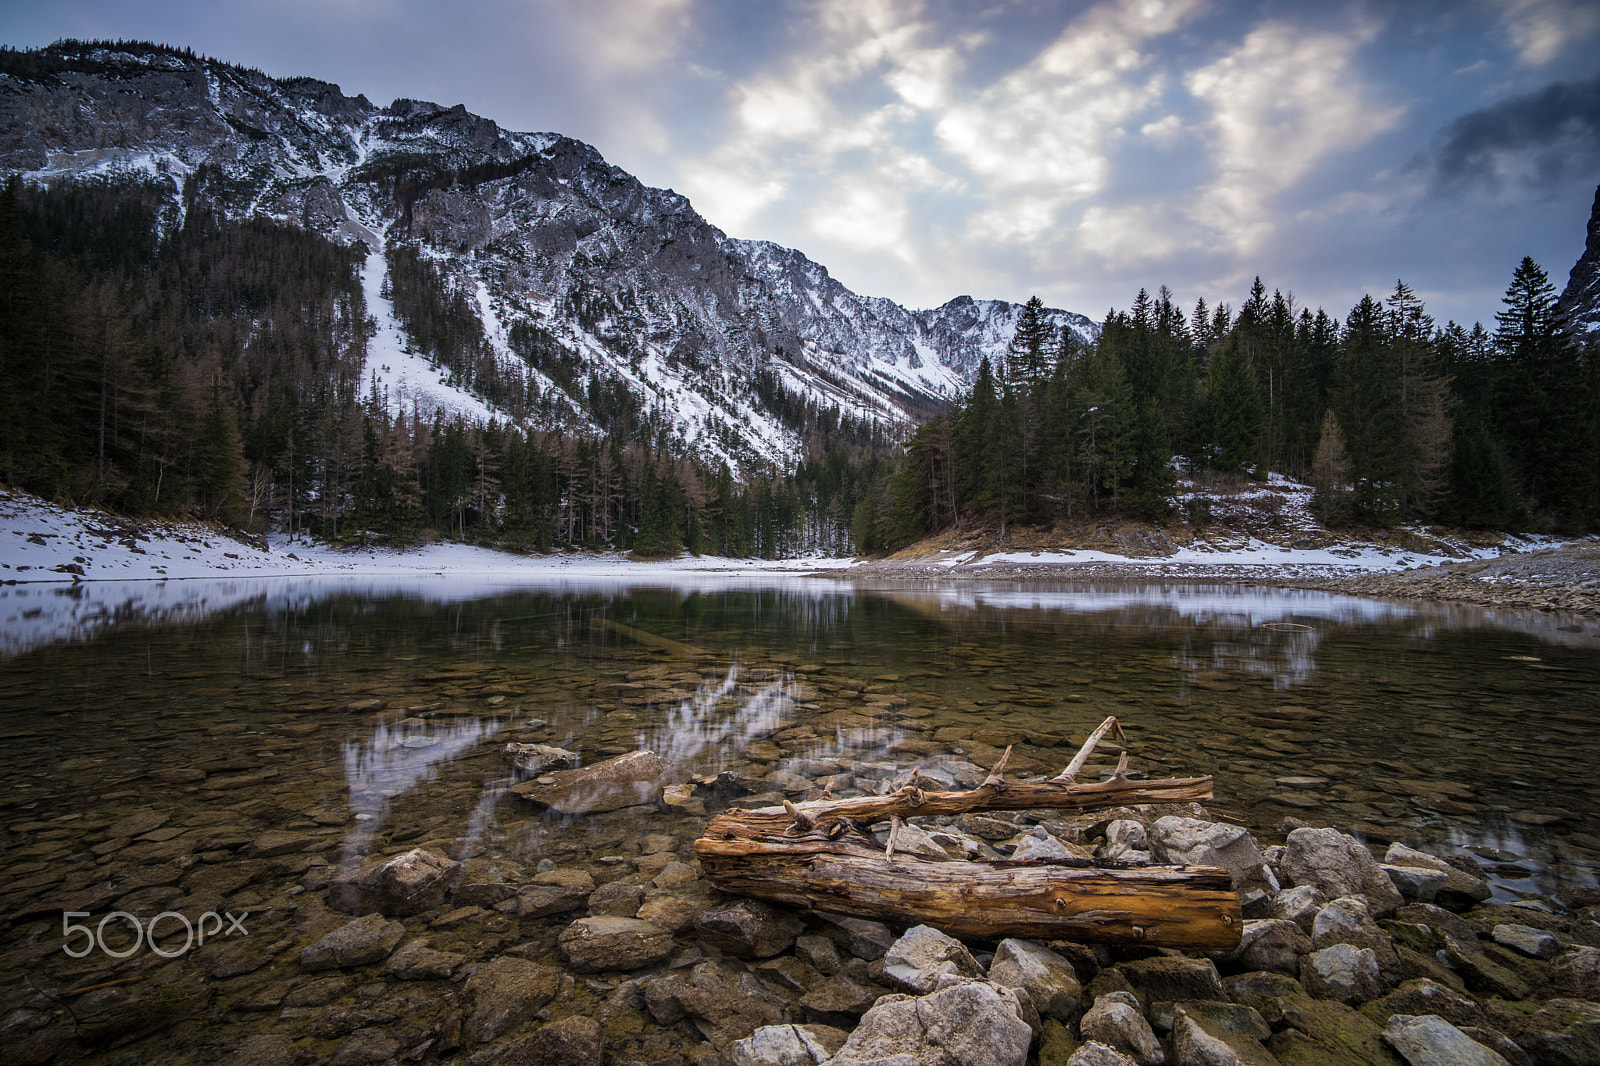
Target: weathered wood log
x,y
820,855
1192,908
651,640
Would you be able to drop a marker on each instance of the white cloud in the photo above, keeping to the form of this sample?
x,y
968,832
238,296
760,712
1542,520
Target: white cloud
x,y
629,36
1039,138
1163,130
1543,29
731,196
866,216
1281,103
808,118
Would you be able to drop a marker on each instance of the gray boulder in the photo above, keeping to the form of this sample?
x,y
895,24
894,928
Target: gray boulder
x,y
1193,1046
1115,1021
1039,844
1343,972
1577,974
972,1023
1094,1053
1526,940
860,937
1417,884
1429,1040
1457,891
1274,945
1298,905
1337,865
914,840
1347,921
1482,974
787,1045
1049,979
925,959
1173,977
1126,841
1199,843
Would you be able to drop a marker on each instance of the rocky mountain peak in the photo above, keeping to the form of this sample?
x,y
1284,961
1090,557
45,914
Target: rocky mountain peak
x,y
723,339
1580,301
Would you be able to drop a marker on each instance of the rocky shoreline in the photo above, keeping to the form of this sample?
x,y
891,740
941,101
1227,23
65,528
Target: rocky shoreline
x,y
1565,579
636,958
1561,579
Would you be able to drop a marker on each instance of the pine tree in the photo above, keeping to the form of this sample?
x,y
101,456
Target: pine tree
x,y
1230,435
1545,407
1027,359
975,436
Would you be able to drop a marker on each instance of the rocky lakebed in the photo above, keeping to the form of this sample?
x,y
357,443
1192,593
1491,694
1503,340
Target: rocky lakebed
x,y
431,953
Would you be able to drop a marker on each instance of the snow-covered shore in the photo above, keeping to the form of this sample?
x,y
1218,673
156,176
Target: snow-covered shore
x,y
41,542
68,573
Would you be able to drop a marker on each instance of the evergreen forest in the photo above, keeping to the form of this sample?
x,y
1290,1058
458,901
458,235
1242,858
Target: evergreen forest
x,y
161,360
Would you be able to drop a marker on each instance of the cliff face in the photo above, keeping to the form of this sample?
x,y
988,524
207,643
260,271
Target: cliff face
x,y
1580,301
631,280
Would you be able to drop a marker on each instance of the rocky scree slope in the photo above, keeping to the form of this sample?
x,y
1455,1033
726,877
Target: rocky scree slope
x,y
625,283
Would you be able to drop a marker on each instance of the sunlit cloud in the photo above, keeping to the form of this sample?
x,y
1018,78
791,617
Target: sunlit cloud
x,y
863,215
1281,103
1039,137
1541,30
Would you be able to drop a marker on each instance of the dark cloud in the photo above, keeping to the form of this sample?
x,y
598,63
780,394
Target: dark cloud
x,y
1532,141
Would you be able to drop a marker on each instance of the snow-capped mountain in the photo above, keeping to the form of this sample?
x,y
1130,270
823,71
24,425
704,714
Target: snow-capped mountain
x,y
633,285
1580,301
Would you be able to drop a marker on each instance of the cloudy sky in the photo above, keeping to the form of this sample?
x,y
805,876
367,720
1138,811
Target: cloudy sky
x,y
923,149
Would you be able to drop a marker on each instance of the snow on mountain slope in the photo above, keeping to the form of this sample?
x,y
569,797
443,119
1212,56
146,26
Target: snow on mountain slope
x,y
718,338
404,382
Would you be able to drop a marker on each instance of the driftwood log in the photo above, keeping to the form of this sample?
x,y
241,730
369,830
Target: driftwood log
x,y
820,855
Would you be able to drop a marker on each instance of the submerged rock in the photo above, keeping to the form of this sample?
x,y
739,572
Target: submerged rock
x,y
625,781
573,1041
398,887
535,759
505,992
749,929
609,943
365,940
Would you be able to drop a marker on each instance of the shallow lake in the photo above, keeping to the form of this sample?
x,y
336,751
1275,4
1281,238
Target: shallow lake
x,y
195,747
